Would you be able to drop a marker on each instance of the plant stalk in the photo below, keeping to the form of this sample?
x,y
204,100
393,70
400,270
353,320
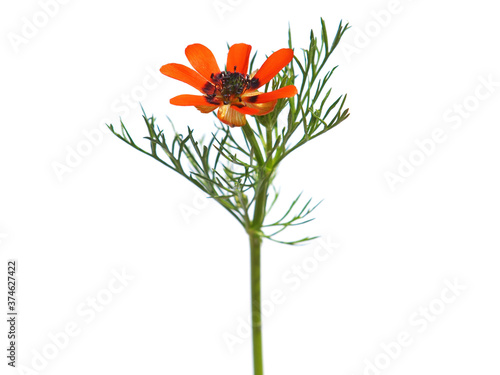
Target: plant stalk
x,y
254,229
255,246
255,243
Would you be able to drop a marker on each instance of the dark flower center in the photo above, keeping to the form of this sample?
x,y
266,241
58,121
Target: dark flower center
x,y
231,85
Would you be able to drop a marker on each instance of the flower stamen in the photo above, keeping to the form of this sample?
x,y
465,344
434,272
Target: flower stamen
x,y
230,85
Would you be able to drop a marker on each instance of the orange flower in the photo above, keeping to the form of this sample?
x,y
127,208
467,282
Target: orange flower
x,y
232,91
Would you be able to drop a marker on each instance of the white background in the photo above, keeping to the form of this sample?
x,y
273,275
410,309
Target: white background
x,y
407,67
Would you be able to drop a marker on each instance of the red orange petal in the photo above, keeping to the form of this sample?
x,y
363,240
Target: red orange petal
x,y
228,115
186,75
237,58
202,60
195,100
284,92
263,108
246,110
274,63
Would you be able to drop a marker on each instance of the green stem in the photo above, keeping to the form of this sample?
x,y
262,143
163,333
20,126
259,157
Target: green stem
x,y
248,132
254,230
254,234
255,242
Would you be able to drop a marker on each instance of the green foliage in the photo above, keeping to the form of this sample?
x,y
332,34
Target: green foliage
x,y
237,169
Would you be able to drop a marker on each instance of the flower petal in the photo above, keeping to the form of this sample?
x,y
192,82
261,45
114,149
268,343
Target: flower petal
x,y
246,110
237,58
229,116
274,63
262,108
206,108
187,75
193,100
284,92
202,60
